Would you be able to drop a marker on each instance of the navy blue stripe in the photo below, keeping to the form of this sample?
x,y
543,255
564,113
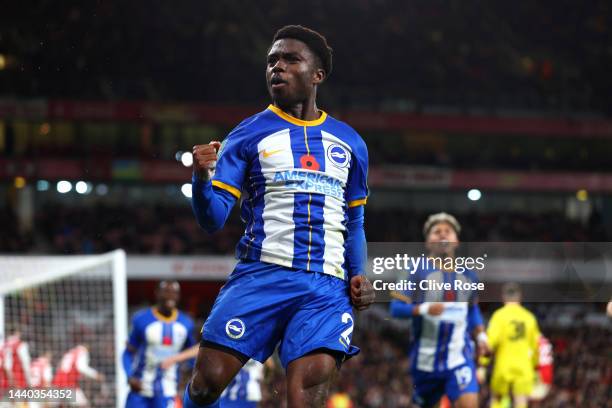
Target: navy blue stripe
x,y
141,363
302,230
315,144
317,238
317,235
446,331
250,244
167,330
300,204
157,384
438,362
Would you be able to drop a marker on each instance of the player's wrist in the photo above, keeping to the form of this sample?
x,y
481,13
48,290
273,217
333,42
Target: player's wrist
x,y
423,308
482,338
201,175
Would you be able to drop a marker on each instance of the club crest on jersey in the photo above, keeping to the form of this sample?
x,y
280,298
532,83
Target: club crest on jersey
x,y
235,328
338,156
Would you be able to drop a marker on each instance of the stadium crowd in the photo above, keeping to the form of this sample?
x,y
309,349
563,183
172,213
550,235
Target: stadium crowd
x,y
171,230
378,377
520,56
91,144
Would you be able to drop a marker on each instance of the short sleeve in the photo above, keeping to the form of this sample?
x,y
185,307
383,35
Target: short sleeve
x,y
357,185
231,163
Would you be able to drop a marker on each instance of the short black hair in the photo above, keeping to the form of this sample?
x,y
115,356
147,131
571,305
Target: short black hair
x,y
511,290
315,41
167,282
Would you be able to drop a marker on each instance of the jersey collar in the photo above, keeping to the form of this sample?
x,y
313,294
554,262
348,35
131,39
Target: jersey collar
x,y
163,318
296,121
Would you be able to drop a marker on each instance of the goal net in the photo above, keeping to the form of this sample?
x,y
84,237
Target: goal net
x,y
52,305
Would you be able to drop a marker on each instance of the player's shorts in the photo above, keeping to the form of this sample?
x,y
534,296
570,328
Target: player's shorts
x,y
135,400
227,403
264,305
429,387
509,382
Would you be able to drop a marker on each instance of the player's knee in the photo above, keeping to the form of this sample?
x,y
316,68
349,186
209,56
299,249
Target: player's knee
x,y
311,378
309,384
468,400
206,387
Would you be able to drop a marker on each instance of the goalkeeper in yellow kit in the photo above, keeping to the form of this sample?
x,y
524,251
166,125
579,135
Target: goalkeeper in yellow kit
x,y
513,336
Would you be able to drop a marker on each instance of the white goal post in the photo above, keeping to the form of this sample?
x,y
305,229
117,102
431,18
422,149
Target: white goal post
x,y
55,303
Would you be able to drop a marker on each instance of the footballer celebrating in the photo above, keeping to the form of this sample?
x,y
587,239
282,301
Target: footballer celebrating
x,y
158,333
301,177
442,358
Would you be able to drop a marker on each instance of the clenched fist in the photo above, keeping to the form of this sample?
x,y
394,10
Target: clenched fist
x,y
205,160
362,292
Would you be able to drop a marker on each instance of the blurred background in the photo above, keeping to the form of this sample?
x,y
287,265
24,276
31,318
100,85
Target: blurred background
x,y
497,112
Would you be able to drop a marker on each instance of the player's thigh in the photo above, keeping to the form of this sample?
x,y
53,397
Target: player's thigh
x,y
500,384
312,369
309,378
523,385
215,368
467,400
462,386
324,321
428,389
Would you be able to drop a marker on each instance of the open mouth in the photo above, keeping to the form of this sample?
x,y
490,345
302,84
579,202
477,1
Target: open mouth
x,y
277,81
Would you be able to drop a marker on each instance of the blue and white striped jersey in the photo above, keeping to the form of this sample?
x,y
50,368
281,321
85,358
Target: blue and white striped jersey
x,y
245,387
441,343
156,338
296,180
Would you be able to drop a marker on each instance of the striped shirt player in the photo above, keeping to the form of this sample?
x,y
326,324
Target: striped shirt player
x,y
297,182
545,369
442,352
16,362
244,391
41,372
292,177
301,177
42,376
72,367
3,373
442,356
156,337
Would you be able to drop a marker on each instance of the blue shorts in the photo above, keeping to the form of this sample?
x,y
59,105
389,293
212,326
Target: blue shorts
x,y
263,305
227,403
135,400
429,387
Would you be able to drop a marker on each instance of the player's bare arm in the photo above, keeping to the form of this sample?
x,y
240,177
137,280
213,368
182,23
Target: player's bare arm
x,y
184,355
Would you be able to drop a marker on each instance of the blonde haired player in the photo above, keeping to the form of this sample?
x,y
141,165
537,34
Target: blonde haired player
x,y
513,336
444,323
